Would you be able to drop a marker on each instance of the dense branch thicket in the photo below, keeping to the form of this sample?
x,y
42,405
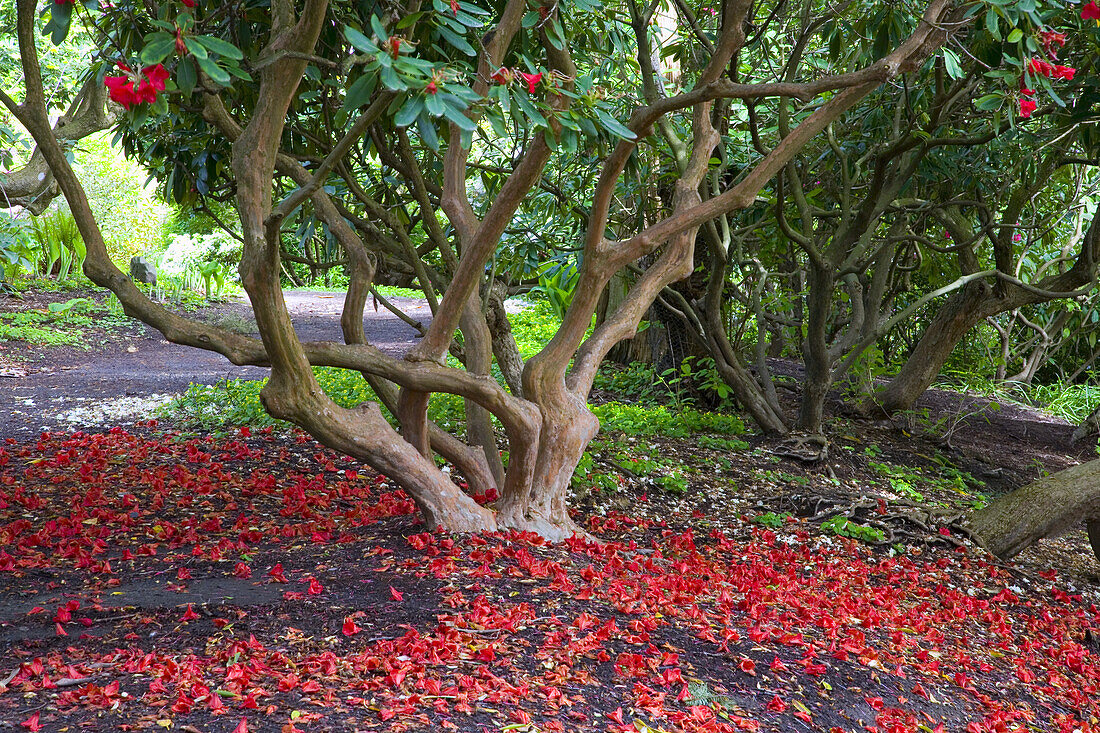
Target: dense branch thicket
x,y
792,155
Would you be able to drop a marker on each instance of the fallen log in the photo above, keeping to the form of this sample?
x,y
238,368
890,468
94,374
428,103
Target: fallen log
x,y
1048,507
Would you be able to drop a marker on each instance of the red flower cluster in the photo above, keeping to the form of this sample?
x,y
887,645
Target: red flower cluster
x,y
133,89
1049,70
505,76
1050,39
1027,105
1091,11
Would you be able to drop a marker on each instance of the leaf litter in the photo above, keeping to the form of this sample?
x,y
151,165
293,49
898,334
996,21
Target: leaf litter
x,y
150,580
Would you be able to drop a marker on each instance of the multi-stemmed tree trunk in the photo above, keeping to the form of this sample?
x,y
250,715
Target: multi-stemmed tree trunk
x,y
549,424
987,293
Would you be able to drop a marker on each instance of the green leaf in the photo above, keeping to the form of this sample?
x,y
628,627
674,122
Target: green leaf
x,y
359,41
458,116
379,29
988,102
359,93
410,19
197,50
1015,35
186,76
951,64
529,109
434,105
456,40
392,81
220,47
410,111
61,15
237,71
614,126
473,9
467,20
992,23
216,73
157,47
427,131
554,34
498,124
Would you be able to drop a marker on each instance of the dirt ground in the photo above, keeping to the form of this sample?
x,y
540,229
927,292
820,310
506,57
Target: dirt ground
x,y
48,387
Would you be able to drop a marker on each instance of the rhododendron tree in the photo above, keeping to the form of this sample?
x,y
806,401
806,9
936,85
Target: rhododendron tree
x,y
299,106
846,247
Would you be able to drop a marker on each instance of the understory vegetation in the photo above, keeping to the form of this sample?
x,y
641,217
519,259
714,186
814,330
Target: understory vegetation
x,y
632,367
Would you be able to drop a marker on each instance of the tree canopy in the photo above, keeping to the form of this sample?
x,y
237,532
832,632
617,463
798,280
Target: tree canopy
x,y
782,178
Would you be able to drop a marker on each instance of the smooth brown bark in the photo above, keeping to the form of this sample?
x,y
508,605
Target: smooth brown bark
x,y
33,185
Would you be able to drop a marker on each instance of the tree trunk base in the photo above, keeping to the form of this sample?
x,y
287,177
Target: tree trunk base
x,y
556,529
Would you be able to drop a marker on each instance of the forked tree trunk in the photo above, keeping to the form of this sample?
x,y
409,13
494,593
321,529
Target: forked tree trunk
x,y
468,460
819,367
1048,507
542,505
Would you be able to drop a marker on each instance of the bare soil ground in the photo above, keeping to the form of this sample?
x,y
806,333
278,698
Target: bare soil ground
x,y
46,384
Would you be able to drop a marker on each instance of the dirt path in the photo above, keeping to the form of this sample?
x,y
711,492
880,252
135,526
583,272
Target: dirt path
x,y
73,387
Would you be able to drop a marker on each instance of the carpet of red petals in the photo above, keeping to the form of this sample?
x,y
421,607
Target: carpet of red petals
x,y
335,611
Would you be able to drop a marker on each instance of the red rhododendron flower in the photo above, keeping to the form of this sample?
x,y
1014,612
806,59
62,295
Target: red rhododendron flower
x,y
350,627
1050,39
188,3
133,89
121,90
1091,11
1064,72
395,594
276,573
431,88
1027,106
532,81
501,76
1040,66
32,723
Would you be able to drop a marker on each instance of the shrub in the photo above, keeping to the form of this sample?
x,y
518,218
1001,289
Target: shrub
x,y
61,249
129,213
209,259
